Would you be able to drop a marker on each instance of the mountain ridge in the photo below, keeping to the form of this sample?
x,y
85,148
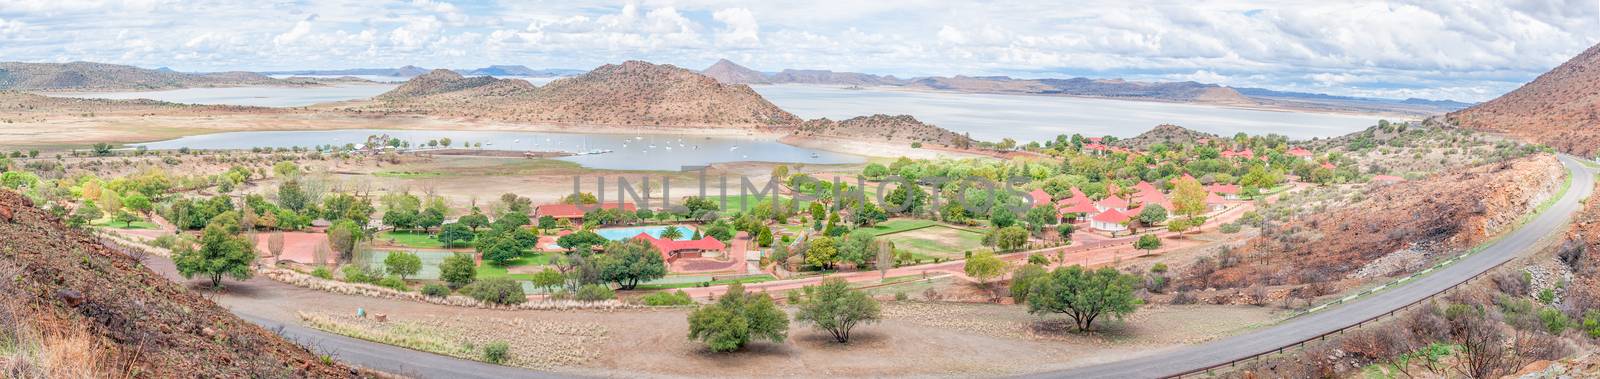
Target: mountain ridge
x,y
84,76
1560,108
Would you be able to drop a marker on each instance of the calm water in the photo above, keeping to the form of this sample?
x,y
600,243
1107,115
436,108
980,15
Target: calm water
x,y
618,234
253,96
1037,118
629,152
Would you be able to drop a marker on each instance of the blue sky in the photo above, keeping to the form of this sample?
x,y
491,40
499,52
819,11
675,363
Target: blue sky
x,y
1466,50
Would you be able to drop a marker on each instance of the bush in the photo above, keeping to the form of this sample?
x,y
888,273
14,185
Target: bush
x,y
1038,259
1591,323
736,319
1554,321
595,292
667,299
502,291
358,274
1229,228
1547,296
435,290
496,352
900,296
322,272
394,283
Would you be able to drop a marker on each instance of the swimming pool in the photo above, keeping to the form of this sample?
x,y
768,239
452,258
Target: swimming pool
x,y
618,234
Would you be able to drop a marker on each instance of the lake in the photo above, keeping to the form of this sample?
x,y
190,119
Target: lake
x,y
252,96
629,152
1036,118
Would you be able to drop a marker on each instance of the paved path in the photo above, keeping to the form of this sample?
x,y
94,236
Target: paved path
x,y
1176,361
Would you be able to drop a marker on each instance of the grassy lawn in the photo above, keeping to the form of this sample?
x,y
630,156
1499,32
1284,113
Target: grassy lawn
x,y
744,280
939,241
900,225
412,239
490,270
141,224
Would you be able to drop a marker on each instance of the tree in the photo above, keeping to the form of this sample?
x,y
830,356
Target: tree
x,y
671,233
736,319
1152,214
1009,238
450,234
88,212
1147,243
822,252
458,270
581,242
400,219
548,279
402,264
500,291
475,220
429,218
1000,217
833,307
1023,279
499,248
127,219
137,202
344,235
857,247
984,266
1040,216
1084,295
275,245
220,253
1188,197
291,195
629,262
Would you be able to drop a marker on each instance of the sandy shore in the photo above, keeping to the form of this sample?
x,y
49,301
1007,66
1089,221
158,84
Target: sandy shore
x,y
874,149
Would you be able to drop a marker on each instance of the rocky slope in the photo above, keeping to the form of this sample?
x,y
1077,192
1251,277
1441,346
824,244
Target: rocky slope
x,y
634,93
1165,134
895,130
65,290
1580,254
1441,213
1560,108
86,76
732,73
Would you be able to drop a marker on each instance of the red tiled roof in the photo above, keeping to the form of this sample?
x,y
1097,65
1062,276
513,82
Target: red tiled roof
x,y
1114,202
1083,206
1329,166
1213,198
1246,153
1040,197
1144,186
573,211
1111,216
1231,189
1300,152
666,246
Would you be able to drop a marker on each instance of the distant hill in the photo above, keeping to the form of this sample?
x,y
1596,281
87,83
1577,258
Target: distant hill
x,y
897,130
732,73
518,70
88,76
634,93
93,310
1560,108
401,72
1165,134
413,71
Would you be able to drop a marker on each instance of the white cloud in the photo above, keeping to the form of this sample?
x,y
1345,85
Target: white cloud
x,y
741,31
300,30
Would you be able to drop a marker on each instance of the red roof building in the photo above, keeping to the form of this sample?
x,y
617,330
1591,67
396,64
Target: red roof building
x,y
674,249
1246,154
1112,202
569,211
1300,152
1040,197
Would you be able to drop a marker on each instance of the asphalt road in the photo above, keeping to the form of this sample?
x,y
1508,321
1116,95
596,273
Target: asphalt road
x,y
419,364
1177,361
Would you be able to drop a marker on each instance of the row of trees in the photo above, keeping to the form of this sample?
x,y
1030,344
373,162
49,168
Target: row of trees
x,y
739,317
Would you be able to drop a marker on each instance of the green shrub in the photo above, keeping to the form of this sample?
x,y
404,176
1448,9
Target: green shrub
x,y
1554,321
595,292
1159,267
496,352
1229,228
358,274
502,291
435,290
322,272
900,296
1547,296
1591,323
394,283
1037,259
665,299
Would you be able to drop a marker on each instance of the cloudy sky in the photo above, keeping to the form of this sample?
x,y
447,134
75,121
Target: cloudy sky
x,y
1461,49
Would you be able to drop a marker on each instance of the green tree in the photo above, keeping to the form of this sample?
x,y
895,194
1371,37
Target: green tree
x,y
1188,197
137,202
582,241
1000,217
127,219
1084,295
1040,216
857,247
984,267
1147,243
499,248
1023,279
219,254
822,252
1152,214
548,279
88,212
499,291
1010,238
458,270
450,234
402,264
429,219
672,233
833,307
345,235
629,262
474,220
291,195
736,319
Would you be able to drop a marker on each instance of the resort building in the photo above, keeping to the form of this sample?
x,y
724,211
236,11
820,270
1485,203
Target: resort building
x,y
574,213
671,250
1111,221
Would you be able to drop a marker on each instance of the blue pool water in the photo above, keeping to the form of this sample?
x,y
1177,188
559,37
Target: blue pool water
x,y
618,234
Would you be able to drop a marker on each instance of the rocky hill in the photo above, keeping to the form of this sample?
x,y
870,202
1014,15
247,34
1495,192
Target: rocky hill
x,y
77,308
634,93
86,76
1165,134
897,130
1416,221
1560,108
732,73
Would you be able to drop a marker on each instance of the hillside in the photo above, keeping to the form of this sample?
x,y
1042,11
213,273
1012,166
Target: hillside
x,y
86,76
1560,108
732,73
76,308
1165,134
897,130
630,94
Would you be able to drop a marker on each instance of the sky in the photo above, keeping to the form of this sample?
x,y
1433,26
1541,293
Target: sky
x,y
1466,50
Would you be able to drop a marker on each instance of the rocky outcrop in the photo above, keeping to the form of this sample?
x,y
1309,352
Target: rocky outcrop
x,y
62,280
1560,108
896,130
732,73
1165,134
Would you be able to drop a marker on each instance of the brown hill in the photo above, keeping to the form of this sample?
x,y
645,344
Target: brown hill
x,y
1165,134
77,308
1560,108
630,94
897,130
83,76
732,73
1437,215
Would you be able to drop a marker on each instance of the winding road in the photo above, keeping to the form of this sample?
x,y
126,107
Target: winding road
x,y
264,302
1182,360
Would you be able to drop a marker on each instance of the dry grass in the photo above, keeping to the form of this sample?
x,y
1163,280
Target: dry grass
x,y
537,344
